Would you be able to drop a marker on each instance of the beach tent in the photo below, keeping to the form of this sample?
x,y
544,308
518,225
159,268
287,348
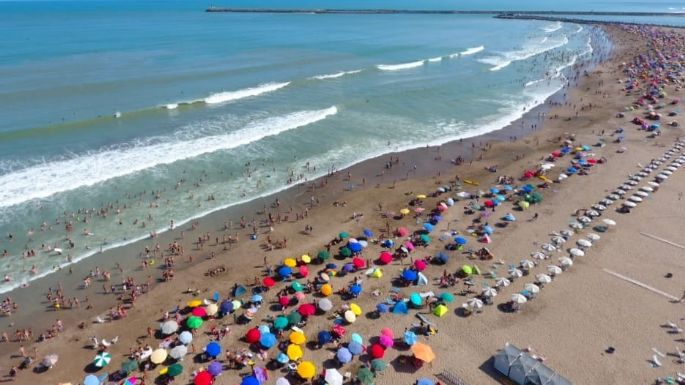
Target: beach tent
x,y
539,375
521,367
400,308
506,357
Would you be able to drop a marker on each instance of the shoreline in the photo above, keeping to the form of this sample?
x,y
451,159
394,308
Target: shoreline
x,y
427,165
472,136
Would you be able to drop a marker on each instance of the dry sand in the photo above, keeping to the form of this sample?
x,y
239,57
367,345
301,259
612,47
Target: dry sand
x,y
571,323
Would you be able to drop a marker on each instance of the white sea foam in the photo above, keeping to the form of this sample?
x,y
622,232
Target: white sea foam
x,y
398,67
171,106
435,59
580,28
544,39
552,27
335,75
529,50
471,51
228,96
89,169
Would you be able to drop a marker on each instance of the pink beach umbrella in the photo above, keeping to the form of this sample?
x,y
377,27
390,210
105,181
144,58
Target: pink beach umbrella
x,y
387,332
304,271
402,231
409,245
386,341
420,265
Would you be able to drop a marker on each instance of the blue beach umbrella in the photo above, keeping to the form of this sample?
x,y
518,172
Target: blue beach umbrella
x,y
355,348
487,229
324,337
409,337
91,379
442,257
400,308
355,247
185,337
428,227
331,266
213,349
409,275
268,340
226,307
460,240
343,355
285,271
282,358
250,380
382,308
356,337
425,381
494,190
368,233
356,289
257,298
263,329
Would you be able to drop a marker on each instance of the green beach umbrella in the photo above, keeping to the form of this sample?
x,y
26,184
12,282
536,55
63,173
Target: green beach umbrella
x,y
447,297
344,235
346,252
415,299
467,269
174,370
102,359
425,238
297,286
294,318
281,322
324,255
365,376
129,366
193,322
378,365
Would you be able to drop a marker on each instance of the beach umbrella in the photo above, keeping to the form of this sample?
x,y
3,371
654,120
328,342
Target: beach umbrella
x,y
324,337
282,358
523,204
290,262
409,275
577,252
333,377
425,381
284,301
129,366
343,235
285,271
350,316
250,380
303,270
256,298
282,381
515,273
519,298
102,359
440,310
365,376
281,322
527,264
415,299
343,355
385,258
553,270
404,211
356,337
428,227
355,348
378,365
297,338
267,340
294,318
158,356
387,332
474,303
91,379
382,308
50,360
174,370
410,337
199,312
226,307
489,292
467,270
609,222
402,231
169,327
193,322
194,302
253,335
460,240
376,351
323,255
358,263
543,278
296,286
306,370
354,247
400,308
502,282
268,282
178,352
420,265
532,288
593,237
212,309
565,261
306,309
423,352
356,289
447,297
345,252
204,378
386,341
294,352
584,243
356,309
215,368
325,304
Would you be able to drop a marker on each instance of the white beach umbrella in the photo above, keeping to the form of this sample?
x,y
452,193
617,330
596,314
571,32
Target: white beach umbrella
x,y
325,304
635,198
661,177
635,178
671,168
632,183
667,172
643,173
647,189
614,197
609,222
565,261
543,278
474,303
583,243
333,377
584,220
576,225
50,360
559,240
629,204
539,255
553,270
178,352
515,273
642,194
653,184
527,264
548,247
502,282
593,237
592,213
620,192
489,292
606,202
169,327
531,287
519,298
577,252
599,207
566,233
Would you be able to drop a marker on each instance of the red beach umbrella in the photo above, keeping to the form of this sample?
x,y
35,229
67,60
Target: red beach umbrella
x,y
385,258
252,336
199,312
304,271
358,263
203,378
283,301
306,309
376,351
420,265
269,282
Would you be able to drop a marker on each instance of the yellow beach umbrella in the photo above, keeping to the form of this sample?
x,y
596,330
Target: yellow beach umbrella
x,y
440,310
306,370
298,338
356,309
290,262
294,352
421,196
158,356
404,211
377,273
326,290
306,258
194,302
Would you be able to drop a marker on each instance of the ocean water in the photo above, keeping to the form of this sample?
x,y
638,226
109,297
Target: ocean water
x,y
119,117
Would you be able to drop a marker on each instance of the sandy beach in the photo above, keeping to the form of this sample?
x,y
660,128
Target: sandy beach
x,y
590,324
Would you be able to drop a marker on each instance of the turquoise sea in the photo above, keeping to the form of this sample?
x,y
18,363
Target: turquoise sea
x,y
120,116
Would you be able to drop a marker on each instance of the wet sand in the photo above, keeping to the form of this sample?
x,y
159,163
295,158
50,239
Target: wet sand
x,y
571,323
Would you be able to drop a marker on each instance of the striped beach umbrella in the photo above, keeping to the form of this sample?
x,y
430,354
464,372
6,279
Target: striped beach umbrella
x,y
102,359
